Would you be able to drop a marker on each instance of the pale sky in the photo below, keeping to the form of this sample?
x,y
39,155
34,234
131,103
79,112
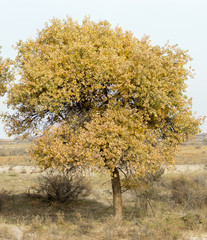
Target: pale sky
x,y
180,21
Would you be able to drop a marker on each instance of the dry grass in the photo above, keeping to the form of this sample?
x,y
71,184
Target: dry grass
x,y
192,154
33,217
26,216
12,153
15,160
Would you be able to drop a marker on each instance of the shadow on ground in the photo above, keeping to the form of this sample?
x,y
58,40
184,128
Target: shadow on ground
x,y
15,208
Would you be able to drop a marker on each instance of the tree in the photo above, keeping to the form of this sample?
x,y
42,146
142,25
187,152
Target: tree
x,y
5,74
103,98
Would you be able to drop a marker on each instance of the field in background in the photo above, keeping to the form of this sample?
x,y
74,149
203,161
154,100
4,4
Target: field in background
x,y
193,151
174,207
192,154
14,153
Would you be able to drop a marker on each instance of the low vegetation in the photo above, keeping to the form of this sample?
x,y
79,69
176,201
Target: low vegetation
x,y
192,154
14,153
167,216
168,206
62,186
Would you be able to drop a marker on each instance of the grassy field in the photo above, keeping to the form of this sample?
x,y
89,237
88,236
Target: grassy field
x,y
15,153
174,207
192,154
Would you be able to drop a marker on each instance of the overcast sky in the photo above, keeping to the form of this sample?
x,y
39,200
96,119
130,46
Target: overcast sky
x,y
181,21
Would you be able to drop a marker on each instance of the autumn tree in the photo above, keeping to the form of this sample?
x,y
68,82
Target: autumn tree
x,y
5,74
103,98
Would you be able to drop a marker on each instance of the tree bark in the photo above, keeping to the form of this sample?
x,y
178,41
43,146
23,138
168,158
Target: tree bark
x,y
117,197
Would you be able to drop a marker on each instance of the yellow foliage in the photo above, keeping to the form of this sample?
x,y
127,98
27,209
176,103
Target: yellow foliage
x,y
112,100
5,75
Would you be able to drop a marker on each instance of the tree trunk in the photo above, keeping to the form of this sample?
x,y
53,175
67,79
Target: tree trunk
x,y
117,198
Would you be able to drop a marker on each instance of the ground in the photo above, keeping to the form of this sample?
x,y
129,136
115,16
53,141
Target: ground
x,y
176,205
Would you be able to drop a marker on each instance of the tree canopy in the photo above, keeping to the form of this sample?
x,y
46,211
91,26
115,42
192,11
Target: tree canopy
x,y
104,98
5,74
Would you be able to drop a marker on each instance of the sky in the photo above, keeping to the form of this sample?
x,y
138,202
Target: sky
x,y
182,22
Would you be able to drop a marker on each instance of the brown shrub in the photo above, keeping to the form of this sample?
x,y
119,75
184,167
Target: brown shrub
x,y
62,187
190,192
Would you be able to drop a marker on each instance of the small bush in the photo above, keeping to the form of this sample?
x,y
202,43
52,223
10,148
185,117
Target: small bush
x,y
144,191
62,187
190,192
